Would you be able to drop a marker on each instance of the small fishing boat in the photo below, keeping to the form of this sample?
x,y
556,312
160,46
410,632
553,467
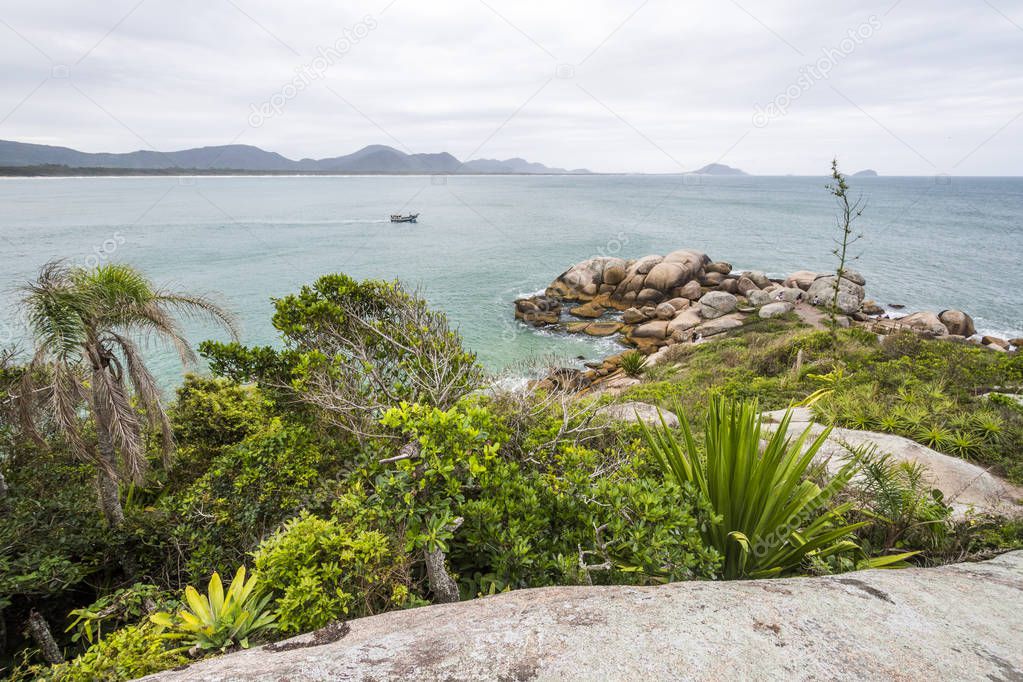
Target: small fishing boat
x,y
399,218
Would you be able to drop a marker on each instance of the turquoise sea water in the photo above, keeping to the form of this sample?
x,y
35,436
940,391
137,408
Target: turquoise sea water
x,y
481,241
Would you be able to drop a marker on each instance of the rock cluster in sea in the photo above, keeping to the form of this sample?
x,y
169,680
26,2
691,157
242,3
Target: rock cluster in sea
x,y
656,301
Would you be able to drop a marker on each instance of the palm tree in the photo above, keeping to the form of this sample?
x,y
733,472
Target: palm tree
x,y
84,321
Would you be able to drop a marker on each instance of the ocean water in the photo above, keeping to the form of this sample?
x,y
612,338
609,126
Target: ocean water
x,y
928,243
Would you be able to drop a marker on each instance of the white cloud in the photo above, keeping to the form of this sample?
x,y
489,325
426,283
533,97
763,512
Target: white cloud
x,y
936,88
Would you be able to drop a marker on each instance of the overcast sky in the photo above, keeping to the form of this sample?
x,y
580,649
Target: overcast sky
x,y
659,86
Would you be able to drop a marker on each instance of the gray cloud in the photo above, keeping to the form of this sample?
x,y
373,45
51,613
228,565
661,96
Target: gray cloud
x,y
651,86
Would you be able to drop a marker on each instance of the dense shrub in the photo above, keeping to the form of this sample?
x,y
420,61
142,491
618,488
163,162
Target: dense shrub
x,y
323,570
127,654
245,493
352,350
577,518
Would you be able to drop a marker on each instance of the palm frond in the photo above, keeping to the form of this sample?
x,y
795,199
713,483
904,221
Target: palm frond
x,y
145,387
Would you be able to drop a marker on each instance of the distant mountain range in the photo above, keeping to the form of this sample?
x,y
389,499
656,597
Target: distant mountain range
x,y
375,158
718,169
865,173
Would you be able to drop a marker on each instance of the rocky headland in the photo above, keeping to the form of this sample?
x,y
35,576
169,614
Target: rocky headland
x,y
654,302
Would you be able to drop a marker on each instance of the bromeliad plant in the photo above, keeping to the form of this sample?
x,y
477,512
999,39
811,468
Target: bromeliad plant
x,y
220,620
770,517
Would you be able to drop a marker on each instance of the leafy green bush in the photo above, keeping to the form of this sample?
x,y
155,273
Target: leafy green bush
x,y
220,620
451,450
577,517
245,493
322,570
125,654
770,517
120,607
354,349
211,414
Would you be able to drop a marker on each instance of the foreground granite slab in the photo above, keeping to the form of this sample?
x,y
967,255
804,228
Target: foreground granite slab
x,y
961,622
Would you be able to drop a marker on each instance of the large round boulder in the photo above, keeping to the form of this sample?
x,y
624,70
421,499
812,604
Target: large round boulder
x,y
775,309
712,279
657,329
583,280
645,264
730,284
789,294
717,303
691,290
745,285
758,298
614,274
666,275
854,276
957,322
759,278
719,326
650,296
822,292
633,316
665,311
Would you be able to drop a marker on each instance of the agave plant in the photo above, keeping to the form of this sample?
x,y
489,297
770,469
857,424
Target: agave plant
x,y
963,444
219,620
987,425
890,423
912,418
771,517
933,436
632,363
960,421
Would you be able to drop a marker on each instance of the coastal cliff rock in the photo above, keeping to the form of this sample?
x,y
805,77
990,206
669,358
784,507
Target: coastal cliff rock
x,y
960,621
656,301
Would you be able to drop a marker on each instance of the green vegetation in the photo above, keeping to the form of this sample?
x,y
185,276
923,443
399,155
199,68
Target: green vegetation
x,y
219,620
770,517
356,468
632,363
81,320
849,211
322,571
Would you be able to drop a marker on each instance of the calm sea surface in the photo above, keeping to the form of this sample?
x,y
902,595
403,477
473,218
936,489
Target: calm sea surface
x,y
481,241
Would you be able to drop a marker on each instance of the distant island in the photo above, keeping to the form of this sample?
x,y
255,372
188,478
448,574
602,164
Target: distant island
x,y
717,169
19,158
866,173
